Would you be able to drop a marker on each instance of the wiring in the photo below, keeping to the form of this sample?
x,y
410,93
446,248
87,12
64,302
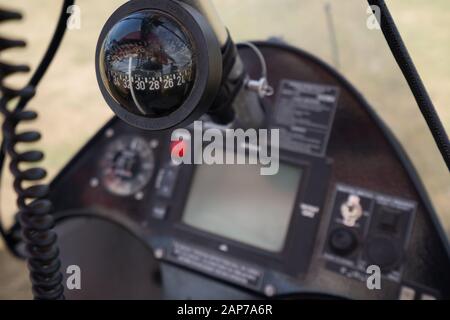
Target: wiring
x,y
35,210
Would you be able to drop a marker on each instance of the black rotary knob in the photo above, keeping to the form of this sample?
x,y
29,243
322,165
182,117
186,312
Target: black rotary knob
x,y
343,241
383,252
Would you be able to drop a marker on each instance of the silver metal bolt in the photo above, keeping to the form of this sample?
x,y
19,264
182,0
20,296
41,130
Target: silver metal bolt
x,y
159,253
109,133
270,290
139,196
94,183
154,144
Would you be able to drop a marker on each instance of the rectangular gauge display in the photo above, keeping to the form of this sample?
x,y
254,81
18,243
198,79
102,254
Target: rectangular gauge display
x,y
237,202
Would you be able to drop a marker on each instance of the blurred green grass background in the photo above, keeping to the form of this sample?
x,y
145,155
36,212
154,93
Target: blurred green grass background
x,y
71,108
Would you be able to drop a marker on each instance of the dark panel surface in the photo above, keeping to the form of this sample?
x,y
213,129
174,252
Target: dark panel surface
x,y
363,155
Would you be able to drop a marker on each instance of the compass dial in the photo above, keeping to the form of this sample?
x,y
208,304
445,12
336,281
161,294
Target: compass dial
x,y
127,166
148,63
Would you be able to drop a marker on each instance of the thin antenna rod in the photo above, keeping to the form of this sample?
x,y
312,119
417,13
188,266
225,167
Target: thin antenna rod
x,y
411,75
333,35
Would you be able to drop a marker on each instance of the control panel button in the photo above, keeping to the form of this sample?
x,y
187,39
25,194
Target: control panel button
x,y
414,291
166,190
407,293
160,210
389,220
166,181
380,226
343,241
383,252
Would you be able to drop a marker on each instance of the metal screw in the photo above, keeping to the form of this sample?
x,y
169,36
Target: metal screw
x,y
139,196
109,133
159,253
270,290
154,144
94,183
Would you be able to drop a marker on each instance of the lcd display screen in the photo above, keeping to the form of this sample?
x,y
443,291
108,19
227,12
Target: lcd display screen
x,y
237,202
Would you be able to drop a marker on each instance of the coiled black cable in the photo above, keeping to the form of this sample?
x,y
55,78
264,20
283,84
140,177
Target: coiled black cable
x,y
35,218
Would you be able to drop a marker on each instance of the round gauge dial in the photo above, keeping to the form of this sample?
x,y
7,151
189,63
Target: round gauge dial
x,y
148,63
158,64
127,165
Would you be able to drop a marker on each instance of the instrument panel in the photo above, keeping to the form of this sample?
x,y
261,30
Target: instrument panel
x,y
345,200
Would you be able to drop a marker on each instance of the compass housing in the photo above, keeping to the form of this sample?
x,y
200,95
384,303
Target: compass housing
x,y
158,64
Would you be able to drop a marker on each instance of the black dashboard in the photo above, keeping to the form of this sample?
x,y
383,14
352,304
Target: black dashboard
x,y
346,198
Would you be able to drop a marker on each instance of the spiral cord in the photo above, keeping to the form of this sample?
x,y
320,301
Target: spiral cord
x,y
34,214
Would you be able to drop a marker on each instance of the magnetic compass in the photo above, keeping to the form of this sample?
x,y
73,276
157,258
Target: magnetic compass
x,y
158,63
